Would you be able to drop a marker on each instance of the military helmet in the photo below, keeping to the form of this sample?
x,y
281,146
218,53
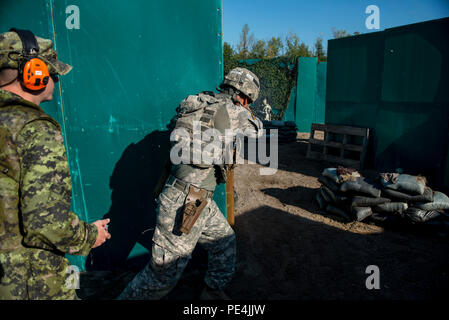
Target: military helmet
x,y
243,80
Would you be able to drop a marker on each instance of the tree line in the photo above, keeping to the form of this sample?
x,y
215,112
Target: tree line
x,y
290,47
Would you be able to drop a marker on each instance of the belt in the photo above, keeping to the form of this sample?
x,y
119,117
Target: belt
x,y
184,186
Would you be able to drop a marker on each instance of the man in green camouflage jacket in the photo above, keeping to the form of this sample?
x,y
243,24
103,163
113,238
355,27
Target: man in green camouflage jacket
x,y
36,226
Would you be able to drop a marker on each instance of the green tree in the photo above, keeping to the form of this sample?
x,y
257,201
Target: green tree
x,y
275,47
258,50
295,48
336,33
319,50
228,53
245,44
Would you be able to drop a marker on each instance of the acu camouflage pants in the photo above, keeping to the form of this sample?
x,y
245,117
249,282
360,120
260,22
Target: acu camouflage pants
x,y
172,249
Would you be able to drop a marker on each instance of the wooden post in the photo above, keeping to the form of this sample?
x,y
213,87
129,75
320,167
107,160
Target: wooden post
x,y
230,197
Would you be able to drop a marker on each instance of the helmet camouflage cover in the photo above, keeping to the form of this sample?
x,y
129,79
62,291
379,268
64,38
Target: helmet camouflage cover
x,y
245,81
11,47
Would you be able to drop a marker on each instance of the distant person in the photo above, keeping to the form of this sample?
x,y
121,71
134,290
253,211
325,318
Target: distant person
x,y
36,226
187,195
266,109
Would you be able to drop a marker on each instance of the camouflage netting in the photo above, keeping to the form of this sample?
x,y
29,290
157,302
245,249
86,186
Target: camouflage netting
x,y
277,78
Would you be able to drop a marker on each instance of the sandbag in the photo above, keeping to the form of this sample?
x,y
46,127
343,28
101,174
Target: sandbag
x,y
418,215
342,200
361,186
331,173
391,207
329,183
427,196
384,217
361,213
347,174
440,202
325,196
290,123
335,197
329,193
338,211
409,184
359,201
321,202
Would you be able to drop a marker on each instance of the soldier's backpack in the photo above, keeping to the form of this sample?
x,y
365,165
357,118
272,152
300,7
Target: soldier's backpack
x,y
195,115
200,109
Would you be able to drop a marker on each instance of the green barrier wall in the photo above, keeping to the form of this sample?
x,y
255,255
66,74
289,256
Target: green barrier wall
x,y
320,93
305,93
289,114
134,61
310,93
396,83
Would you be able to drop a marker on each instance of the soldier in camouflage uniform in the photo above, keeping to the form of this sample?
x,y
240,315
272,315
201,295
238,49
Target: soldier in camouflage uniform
x,y
172,249
36,226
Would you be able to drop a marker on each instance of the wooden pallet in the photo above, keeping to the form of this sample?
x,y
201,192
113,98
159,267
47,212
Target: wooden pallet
x,y
347,132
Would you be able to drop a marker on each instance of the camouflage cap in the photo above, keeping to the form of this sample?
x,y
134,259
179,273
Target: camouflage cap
x,y
11,48
245,81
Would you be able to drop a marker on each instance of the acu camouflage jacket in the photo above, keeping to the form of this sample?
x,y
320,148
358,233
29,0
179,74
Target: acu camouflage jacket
x,y
36,226
222,114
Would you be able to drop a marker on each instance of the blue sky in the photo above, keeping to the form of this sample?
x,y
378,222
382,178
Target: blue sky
x,y
313,18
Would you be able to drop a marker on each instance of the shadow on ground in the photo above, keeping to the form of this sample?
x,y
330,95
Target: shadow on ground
x,y
285,256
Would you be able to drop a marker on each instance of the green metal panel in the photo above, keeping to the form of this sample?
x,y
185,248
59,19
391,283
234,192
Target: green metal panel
x,y
354,68
133,63
416,68
351,113
320,93
308,106
446,171
289,114
411,136
306,88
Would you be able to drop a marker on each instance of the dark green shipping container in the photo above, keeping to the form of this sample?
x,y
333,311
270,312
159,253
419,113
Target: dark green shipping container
x,y
395,82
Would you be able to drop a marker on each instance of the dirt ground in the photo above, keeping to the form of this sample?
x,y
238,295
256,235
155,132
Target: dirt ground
x,y
290,249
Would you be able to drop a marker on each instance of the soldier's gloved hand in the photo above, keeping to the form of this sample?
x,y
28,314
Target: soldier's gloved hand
x,y
103,234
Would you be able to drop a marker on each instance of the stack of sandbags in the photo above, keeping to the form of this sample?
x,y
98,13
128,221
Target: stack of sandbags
x,y
391,198
286,129
346,193
423,204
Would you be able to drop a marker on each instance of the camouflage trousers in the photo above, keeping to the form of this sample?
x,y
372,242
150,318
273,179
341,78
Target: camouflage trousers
x,y
172,249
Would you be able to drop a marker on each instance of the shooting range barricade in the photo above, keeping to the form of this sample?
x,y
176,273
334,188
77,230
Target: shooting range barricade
x,y
350,151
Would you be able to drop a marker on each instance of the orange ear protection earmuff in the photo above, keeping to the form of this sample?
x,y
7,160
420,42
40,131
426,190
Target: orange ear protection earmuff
x,y
33,71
